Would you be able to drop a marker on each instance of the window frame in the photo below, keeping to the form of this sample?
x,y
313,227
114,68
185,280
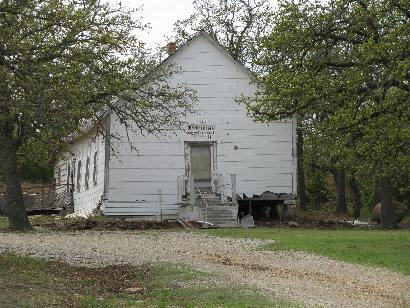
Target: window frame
x,y
58,182
68,176
95,169
79,165
87,174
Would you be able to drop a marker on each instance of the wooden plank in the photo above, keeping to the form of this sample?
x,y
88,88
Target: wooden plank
x,y
134,195
147,162
148,172
278,151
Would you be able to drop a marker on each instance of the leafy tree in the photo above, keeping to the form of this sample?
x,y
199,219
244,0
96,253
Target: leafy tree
x,y
64,64
238,25
35,161
345,65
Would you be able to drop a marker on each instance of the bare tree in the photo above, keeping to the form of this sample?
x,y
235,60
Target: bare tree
x,y
238,25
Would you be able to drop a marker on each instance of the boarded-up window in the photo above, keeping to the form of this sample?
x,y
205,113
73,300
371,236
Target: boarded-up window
x,y
68,176
87,173
79,175
72,181
59,176
95,169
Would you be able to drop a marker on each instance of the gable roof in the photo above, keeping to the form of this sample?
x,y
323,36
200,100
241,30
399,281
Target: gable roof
x,y
214,42
89,126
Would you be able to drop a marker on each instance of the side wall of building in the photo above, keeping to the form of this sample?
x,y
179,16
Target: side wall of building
x,y
70,171
147,181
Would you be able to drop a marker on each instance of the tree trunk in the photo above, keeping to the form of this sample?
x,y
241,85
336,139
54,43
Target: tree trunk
x,y
340,183
15,210
301,187
357,199
386,199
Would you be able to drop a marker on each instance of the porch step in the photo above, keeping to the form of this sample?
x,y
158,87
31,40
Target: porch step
x,y
233,224
220,215
223,214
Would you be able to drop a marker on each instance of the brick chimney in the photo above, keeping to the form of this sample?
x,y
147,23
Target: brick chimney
x,y
171,48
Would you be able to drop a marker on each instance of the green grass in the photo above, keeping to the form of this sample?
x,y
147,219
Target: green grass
x,y
23,283
389,249
29,282
170,284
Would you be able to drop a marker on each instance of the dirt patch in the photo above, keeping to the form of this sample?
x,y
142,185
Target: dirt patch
x,y
35,283
72,224
109,279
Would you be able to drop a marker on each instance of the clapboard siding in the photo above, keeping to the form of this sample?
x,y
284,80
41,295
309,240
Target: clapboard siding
x,y
122,196
169,211
133,161
279,149
85,200
261,155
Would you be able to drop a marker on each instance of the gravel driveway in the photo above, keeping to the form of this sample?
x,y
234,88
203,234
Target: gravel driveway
x,y
305,278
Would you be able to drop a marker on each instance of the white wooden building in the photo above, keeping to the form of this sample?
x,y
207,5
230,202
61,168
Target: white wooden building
x,y
220,145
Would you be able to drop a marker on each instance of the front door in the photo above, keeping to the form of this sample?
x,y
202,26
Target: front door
x,y
201,165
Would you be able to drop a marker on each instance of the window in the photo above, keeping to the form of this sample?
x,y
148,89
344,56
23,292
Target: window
x,y
79,175
87,173
68,176
95,168
59,176
72,181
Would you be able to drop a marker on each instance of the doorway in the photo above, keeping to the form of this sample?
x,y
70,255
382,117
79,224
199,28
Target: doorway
x,y
201,165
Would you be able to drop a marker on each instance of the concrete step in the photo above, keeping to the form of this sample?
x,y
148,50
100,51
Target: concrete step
x,y
219,208
222,221
225,213
229,225
221,213
213,219
209,196
224,216
217,212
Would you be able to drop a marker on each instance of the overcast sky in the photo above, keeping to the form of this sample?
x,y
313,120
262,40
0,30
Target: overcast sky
x,y
161,15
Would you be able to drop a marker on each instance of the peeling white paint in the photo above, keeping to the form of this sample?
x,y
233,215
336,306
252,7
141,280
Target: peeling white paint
x,y
261,155
85,200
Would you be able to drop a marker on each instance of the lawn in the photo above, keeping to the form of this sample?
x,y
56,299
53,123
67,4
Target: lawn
x,y
29,282
389,249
